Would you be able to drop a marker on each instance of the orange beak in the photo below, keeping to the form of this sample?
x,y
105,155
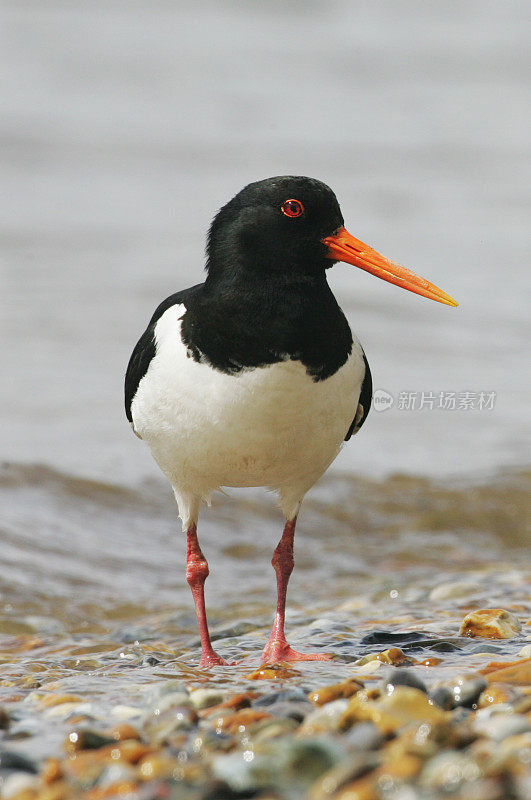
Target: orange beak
x,y
344,247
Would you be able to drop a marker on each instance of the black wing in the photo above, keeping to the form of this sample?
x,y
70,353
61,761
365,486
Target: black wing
x,y
364,403
145,348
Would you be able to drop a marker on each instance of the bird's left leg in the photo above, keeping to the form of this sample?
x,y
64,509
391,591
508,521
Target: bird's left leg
x,y
277,648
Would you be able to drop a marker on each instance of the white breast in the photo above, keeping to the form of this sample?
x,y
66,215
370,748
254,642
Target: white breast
x,y
270,426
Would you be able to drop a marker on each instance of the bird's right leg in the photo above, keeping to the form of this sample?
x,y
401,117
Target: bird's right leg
x,y
196,575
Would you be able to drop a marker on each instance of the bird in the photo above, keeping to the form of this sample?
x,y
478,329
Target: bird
x,y
253,378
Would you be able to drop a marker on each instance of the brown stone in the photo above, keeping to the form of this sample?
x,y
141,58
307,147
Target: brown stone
x,y
517,673
394,655
234,703
404,768
271,672
243,719
124,731
157,766
55,791
490,623
432,661
50,700
498,693
336,691
52,771
362,789
389,713
119,789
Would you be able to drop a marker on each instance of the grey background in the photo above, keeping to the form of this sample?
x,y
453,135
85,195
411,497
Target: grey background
x,y
126,125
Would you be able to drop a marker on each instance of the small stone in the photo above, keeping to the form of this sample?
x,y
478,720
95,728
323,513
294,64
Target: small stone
x,y
324,718
467,688
395,656
442,697
501,726
86,739
126,712
242,720
490,623
499,693
402,677
327,694
19,785
431,661
517,673
204,698
52,771
4,719
124,731
525,652
157,766
161,727
343,773
166,701
393,711
273,672
448,771
293,694
15,761
364,736
234,703
51,700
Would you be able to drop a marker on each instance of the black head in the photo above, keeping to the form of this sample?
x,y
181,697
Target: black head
x,y
274,226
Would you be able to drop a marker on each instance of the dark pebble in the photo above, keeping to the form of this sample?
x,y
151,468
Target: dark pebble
x,y
442,697
387,637
467,693
444,647
150,661
486,648
15,761
283,695
290,710
403,677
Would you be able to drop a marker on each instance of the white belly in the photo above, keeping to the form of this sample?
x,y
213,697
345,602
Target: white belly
x,y
271,426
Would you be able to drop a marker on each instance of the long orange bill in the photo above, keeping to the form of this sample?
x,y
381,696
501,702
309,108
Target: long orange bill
x,y
344,247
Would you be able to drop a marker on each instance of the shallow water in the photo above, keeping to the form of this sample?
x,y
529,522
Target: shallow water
x,y
105,616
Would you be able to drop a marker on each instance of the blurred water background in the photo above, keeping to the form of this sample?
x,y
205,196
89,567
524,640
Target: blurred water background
x,y
124,127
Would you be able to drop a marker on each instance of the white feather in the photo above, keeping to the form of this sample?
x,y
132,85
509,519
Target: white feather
x,y
271,426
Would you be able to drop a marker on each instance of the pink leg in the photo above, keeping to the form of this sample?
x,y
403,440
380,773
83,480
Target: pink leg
x,y
196,575
277,648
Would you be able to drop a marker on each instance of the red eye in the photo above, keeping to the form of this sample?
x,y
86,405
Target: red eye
x,y
292,208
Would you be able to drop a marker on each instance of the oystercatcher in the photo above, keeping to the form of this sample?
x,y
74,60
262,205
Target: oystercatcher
x,y
253,378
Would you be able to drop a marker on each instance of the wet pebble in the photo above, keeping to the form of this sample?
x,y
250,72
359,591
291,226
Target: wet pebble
x,y
466,689
293,694
364,736
402,677
9,759
204,698
501,726
338,690
324,718
448,771
490,623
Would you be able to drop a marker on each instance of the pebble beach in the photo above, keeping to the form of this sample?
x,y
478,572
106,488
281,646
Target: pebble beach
x,y
427,695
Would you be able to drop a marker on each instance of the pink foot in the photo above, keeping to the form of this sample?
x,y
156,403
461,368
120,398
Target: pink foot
x,y
281,651
212,660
